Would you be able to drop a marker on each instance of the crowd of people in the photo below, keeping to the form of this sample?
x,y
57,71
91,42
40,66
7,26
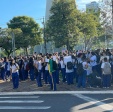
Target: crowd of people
x,y
81,68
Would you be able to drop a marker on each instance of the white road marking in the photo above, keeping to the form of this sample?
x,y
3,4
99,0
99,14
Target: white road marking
x,y
24,107
95,102
19,97
57,92
21,101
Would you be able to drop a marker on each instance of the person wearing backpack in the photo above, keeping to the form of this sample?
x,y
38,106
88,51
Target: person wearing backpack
x,y
106,71
69,71
82,72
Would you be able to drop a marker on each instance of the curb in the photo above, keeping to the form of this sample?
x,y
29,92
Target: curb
x,y
56,92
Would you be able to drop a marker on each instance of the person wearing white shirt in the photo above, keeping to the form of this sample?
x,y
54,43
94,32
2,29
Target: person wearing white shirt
x,y
82,77
47,74
63,70
93,61
39,67
8,69
15,75
69,72
106,71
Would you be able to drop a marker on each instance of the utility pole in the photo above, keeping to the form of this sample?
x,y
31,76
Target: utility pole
x,y
13,44
45,47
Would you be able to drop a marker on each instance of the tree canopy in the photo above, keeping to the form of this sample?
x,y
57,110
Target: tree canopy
x,y
67,25
61,26
31,31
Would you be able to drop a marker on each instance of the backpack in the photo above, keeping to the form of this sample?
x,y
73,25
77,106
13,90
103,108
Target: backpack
x,y
107,69
55,66
69,65
80,69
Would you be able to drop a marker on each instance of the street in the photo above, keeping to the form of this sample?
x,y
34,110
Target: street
x,y
57,103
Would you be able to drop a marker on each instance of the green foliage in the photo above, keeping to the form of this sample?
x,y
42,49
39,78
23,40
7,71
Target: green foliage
x,y
67,25
31,32
61,26
6,39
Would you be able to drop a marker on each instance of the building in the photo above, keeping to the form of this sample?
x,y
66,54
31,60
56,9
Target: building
x,y
48,7
93,6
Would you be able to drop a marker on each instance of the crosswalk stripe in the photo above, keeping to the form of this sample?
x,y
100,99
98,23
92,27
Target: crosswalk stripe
x,y
95,102
20,97
24,107
22,101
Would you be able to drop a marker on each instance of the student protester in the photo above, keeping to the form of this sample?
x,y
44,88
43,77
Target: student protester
x,y
82,72
63,70
31,67
47,74
106,71
69,71
39,67
52,70
8,70
15,74
93,62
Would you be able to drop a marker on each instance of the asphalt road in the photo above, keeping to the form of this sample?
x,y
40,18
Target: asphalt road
x,y
57,103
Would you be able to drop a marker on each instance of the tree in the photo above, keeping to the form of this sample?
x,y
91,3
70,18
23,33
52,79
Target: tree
x,y
88,27
6,39
31,32
62,24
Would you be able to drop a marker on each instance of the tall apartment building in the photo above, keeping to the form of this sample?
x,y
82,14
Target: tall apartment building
x,y
93,6
48,7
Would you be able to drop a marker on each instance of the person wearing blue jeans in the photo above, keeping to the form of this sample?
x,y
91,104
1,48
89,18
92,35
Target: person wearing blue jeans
x,y
15,75
83,75
69,71
106,71
63,69
52,74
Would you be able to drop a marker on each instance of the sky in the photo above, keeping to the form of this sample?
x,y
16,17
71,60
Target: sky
x,y
33,8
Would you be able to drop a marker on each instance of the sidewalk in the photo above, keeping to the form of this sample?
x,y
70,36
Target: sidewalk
x,y
29,86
